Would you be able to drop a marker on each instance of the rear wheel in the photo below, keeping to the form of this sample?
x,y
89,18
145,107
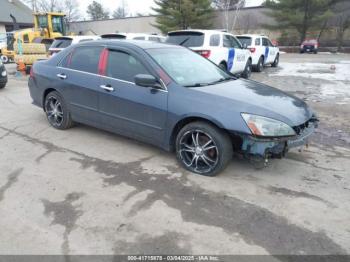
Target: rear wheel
x,y
203,149
260,66
57,112
247,70
276,62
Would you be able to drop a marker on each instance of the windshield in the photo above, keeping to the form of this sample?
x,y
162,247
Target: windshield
x,y
245,40
187,39
188,68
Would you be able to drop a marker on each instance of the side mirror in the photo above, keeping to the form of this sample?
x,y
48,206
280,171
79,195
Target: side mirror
x,y
244,46
146,81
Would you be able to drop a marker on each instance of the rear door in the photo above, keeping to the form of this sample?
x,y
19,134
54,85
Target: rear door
x,y
268,52
236,55
132,110
80,82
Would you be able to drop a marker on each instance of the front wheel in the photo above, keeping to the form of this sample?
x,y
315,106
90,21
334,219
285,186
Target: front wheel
x,y
57,112
223,66
203,149
2,85
276,62
4,59
247,70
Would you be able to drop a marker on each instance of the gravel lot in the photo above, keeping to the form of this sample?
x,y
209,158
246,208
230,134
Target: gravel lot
x,y
86,191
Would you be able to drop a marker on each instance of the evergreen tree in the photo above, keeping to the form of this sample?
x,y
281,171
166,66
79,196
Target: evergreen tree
x,y
183,14
96,11
301,15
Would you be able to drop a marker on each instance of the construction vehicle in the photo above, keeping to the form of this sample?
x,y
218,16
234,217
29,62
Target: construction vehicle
x,y
28,45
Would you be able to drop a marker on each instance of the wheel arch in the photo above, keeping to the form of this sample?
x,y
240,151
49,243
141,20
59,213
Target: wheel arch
x,y
190,119
46,92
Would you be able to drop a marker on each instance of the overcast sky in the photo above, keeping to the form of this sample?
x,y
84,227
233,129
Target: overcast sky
x,y
135,6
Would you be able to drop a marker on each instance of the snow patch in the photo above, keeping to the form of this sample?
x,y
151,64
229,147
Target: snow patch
x,y
341,72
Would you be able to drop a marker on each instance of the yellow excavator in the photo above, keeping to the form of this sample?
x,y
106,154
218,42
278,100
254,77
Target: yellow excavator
x,y
28,45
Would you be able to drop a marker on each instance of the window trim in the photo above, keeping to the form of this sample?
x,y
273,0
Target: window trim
x,y
59,66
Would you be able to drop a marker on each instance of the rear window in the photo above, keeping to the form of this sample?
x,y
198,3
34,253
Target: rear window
x,y
245,40
61,43
154,39
310,41
187,39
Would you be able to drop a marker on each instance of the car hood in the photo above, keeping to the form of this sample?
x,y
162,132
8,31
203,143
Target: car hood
x,y
248,96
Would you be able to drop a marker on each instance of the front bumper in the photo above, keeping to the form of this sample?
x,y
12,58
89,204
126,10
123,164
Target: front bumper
x,y
276,147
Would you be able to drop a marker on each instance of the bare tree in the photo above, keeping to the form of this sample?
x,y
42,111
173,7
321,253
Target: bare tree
x,y
247,22
227,7
69,7
121,11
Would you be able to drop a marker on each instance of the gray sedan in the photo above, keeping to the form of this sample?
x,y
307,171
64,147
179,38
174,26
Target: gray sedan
x,y
170,97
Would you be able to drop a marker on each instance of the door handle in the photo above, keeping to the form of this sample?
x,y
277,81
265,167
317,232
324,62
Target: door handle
x,y
62,76
107,88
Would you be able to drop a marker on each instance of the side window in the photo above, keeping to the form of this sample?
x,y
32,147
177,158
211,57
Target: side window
x,y
85,40
154,39
269,42
214,40
265,42
227,41
139,38
123,66
257,41
236,43
84,59
26,38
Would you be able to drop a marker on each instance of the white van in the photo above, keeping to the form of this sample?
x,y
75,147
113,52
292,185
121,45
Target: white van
x,y
63,42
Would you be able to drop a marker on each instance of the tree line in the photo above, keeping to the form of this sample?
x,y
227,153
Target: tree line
x,y
298,15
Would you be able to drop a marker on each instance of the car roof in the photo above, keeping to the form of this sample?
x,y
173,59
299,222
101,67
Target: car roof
x,y
77,37
129,43
252,35
200,31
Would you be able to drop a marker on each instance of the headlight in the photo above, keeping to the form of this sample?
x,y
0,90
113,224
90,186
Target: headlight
x,y
263,126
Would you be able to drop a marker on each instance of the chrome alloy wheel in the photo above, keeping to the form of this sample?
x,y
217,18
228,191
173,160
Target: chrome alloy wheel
x,y
198,151
54,111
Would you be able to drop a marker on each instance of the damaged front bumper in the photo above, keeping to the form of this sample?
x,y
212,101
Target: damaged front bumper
x,y
277,147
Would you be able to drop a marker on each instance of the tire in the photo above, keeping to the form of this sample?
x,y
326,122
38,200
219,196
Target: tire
x,y
260,66
4,59
247,70
203,149
276,62
223,66
57,112
315,52
2,85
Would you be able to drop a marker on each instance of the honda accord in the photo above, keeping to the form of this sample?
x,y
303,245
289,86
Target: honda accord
x,y
170,97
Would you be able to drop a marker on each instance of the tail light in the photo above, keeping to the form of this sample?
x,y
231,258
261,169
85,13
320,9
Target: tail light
x,y
252,49
204,53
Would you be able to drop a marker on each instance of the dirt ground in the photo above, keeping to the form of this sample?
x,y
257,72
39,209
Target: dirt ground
x,y
86,191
